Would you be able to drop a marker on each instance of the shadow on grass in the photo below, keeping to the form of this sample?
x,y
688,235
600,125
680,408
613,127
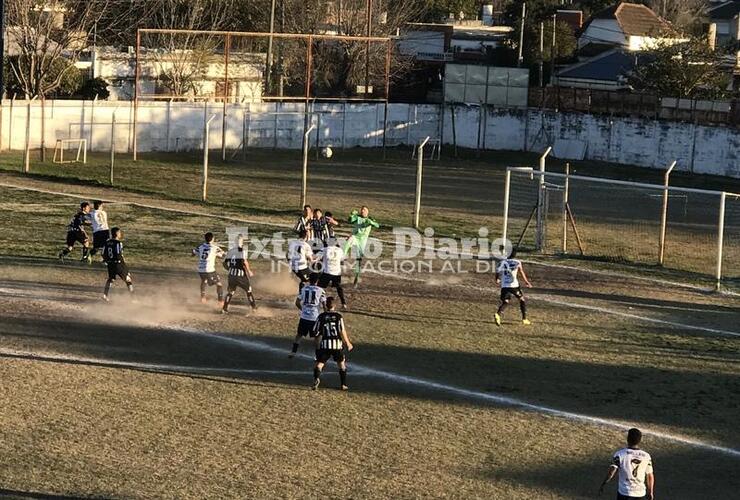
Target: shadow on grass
x,y
686,399
20,495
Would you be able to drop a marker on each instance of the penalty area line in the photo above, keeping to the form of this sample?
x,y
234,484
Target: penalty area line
x,y
476,395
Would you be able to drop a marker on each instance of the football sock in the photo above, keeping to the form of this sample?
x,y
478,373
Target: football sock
x,y
227,301
340,292
220,292
295,347
203,284
316,373
523,308
343,376
107,287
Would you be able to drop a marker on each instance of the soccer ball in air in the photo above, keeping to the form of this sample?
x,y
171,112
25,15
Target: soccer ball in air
x,y
327,152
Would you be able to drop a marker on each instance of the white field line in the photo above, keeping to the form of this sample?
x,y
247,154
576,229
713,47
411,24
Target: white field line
x,y
477,395
423,247
109,363
546,298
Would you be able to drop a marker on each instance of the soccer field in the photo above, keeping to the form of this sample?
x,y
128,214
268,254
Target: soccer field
x,y
619,226
167,398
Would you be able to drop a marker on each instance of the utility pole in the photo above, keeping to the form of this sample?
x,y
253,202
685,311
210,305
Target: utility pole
x,y
553,47
367,55
542,52
520,60
268,66
2,47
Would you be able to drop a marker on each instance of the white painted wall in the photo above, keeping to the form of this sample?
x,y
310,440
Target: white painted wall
x,y
179,126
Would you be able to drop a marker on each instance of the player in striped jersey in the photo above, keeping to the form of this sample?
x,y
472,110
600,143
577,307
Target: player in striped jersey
x,y
310,300
113,258
507,275
304,222
332,337
207,254
322,227
76,233
239,273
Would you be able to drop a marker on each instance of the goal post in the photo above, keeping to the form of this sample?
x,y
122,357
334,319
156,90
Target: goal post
x,y
78,148
621,221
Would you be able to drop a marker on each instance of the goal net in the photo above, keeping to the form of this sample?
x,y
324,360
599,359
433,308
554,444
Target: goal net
x,y
619,221
70,151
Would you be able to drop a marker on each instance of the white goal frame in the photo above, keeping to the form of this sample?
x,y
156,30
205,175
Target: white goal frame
x,y
59,151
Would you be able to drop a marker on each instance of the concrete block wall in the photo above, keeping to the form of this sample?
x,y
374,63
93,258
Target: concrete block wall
x,y
178,126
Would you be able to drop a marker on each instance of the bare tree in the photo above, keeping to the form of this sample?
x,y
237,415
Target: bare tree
x,y
182,60
45,37
685,15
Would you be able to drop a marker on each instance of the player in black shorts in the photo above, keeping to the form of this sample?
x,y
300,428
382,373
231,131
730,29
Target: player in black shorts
x,y
332,338
239,273
76,233
113,258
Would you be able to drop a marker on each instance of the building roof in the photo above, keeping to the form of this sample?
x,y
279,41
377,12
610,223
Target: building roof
x,y
726,10
609,66
634,19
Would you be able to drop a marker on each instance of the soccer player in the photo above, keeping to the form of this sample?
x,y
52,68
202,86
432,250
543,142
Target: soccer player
x,y
332,337
322,227
239,273
76,233
332,257
300,256
507,275
635,467
207,254
310,300
362,225
101,231
113,258
304,222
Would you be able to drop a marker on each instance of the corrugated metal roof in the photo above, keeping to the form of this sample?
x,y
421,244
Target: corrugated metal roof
x,y
609,66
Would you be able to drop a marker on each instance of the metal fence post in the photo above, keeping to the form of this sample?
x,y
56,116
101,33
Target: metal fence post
x,y
27,153
720,239
566,195
419,176
507,188
206,133
664,214
540,236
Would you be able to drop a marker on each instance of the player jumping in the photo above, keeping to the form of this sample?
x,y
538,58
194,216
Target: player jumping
x,y
362,225
300,256
239,273
506,275
310,300
101,231
113,257
76,233
332,257
332,337
207,254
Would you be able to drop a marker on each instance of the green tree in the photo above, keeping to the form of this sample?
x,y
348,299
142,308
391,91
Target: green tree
x,y
684,70
439,9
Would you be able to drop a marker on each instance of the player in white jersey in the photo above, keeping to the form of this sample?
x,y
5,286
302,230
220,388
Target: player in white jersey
x,y
101,231
507,274
332,257
207,254
635,468
310,301
300,256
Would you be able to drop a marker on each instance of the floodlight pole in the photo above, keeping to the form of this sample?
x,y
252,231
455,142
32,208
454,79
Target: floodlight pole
x,y
664,214
304,178
540,238
419,176
137,71
520,59
507,188
206,133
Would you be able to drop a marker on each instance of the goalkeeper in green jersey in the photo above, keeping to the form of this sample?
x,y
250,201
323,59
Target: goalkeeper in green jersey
x,y
362,225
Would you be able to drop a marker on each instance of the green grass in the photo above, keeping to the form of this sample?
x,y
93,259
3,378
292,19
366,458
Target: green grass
x,y
88,429
460,196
